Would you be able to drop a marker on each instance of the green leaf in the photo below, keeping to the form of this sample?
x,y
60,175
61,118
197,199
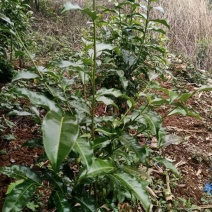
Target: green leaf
x,y
105,100
103,46
60,202
112,91
179,111
69,6
161,21
135,171
205,88
33,143
59,136
86,204
84,149
38,99
19,113
159,101
185,96
135,186
24,75
132,144
54,180
98,167
65,64
92,14
20,172
19,196
80,106
153,121
12,185
173,95
167,164
5,18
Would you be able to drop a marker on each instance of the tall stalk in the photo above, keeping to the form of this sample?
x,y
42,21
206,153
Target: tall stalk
x,y
93,80
145,28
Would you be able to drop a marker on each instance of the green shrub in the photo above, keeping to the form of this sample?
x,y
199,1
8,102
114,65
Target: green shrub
x,y
14,19
95,158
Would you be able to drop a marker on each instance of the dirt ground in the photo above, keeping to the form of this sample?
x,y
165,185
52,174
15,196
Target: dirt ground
x,y
193,156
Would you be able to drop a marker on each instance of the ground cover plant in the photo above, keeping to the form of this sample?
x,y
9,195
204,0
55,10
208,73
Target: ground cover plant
x,y
96,160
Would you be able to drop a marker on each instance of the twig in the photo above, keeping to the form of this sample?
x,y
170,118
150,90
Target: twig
x,y
170,128
151,192
205,207
167,191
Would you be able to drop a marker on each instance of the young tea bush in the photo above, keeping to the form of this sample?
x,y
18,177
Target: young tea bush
x,y
14,13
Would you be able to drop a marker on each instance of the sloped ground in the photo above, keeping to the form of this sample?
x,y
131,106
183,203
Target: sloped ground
x,y
193,156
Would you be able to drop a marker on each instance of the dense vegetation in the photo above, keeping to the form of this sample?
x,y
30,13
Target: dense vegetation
x,y
97,160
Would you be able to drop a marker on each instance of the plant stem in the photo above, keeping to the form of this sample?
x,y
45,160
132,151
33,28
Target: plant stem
x,y
145,28
93,80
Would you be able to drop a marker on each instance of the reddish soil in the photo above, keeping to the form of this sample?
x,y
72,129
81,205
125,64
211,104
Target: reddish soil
x,y
193,156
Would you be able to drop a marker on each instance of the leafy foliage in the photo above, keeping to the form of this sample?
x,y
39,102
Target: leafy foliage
x,y
14,18
95,158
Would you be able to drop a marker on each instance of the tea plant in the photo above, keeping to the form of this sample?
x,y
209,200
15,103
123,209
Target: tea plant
x,y
95,159
14,13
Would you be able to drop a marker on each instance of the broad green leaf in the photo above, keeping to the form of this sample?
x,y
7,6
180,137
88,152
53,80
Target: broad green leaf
x,y
59,136
5,18
135,172
135,186
20,172
103,46
179,111
60,202
54,180
185,96
86,204
153,121
24,75
80,106
167,164
92,14
105,100
205,88
159,101
112,91
84,77
161,21
13,185
105,132
69,6
38,99
101,142
173,95
33,143
65,64
98,167
84,149
19,113
17,199
131,143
